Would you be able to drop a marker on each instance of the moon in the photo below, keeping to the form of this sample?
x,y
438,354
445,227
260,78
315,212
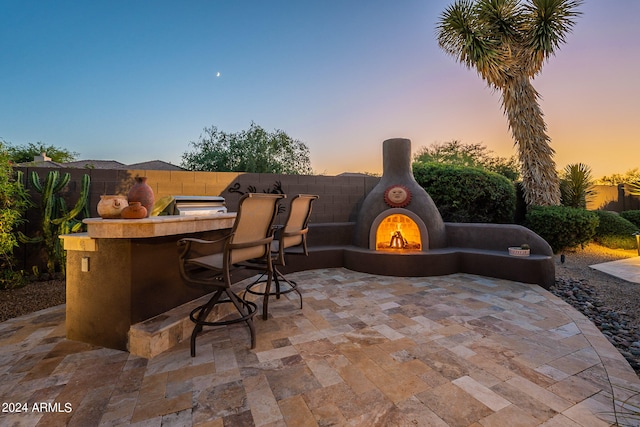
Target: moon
x,y
218,74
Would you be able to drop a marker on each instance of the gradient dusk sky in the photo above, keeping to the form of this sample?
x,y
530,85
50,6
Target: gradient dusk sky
x,y
138,80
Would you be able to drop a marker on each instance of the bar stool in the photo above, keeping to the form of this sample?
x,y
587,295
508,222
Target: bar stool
x,y
292,235
250,238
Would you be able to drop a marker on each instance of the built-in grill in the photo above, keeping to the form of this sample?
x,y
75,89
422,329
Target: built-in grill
x,y
196,205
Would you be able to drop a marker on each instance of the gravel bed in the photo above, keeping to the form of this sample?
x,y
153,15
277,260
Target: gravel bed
x,y
610,303
33,297
615,325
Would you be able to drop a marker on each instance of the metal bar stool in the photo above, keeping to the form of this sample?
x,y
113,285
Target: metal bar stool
x,y
250,238
292,234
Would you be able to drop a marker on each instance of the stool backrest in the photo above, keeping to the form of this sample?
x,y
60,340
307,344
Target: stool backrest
x,y
296,226
253,228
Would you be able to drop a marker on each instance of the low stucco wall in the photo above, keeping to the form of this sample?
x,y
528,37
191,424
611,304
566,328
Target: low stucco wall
x,y
495,237
471,248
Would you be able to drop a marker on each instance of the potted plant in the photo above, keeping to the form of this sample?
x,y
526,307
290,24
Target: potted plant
x,y
522,250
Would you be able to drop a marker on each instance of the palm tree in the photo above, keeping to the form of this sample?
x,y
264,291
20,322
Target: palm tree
x,y
507,43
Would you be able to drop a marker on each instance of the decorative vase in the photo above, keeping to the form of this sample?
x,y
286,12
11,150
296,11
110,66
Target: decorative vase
x,y
135,210
110,207
142,192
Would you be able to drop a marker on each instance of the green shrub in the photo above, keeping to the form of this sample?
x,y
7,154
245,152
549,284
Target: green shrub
x,y
617,242
632,216
464,194
13,203
614,231
562,226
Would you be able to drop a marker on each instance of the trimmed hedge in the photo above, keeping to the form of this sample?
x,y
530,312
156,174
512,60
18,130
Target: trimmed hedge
x,y
562,226
465,194
632,216
614,231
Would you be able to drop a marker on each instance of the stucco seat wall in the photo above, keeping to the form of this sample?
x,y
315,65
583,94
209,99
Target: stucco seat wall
x,y
329,247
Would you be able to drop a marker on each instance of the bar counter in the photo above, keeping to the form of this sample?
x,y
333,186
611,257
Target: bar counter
x,y
156,226
124,271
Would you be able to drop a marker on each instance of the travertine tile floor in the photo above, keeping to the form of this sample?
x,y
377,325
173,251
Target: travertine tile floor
x,y
365,350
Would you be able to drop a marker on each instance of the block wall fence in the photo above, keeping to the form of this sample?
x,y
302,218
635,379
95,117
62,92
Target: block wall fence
x,y
340,196
615,198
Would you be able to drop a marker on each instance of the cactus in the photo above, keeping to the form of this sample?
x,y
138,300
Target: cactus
x,y
56,218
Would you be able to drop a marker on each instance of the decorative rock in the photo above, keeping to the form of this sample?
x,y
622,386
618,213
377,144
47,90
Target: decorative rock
x,y
613,325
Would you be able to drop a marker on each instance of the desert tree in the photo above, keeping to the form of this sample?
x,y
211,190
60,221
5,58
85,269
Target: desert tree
x,y
476,155
26,152
252,150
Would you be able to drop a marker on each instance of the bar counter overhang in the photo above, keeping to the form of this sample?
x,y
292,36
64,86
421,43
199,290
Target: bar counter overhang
x,y
123,271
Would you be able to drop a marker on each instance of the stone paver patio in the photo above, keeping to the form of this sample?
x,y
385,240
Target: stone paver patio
x,y
366,350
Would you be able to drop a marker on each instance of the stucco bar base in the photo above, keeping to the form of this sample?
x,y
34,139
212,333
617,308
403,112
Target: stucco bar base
x,y
122,272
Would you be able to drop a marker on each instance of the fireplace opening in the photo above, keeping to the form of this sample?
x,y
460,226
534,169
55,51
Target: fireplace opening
x,y
398,232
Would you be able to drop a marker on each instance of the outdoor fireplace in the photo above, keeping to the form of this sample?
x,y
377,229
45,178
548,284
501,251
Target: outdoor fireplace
x,y
399,232
398,215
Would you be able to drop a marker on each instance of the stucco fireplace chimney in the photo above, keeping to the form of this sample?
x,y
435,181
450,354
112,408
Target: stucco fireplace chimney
x,y
397,193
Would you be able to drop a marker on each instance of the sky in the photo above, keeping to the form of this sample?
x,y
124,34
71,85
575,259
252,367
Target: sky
x,y
139,80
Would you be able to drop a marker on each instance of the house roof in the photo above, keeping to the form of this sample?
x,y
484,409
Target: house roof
x,y
95,164
101,164
156,165
41,164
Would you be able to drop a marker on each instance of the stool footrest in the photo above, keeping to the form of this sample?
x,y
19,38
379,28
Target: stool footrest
x,y
246,310
278,277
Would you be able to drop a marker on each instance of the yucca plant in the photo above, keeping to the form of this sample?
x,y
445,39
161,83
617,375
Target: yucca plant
x,y
576,185
57,219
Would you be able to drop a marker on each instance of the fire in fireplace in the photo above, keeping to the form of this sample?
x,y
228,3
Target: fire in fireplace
x,y
398,232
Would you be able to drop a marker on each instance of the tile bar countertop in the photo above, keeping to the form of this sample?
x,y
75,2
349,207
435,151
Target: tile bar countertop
x,y
156,226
